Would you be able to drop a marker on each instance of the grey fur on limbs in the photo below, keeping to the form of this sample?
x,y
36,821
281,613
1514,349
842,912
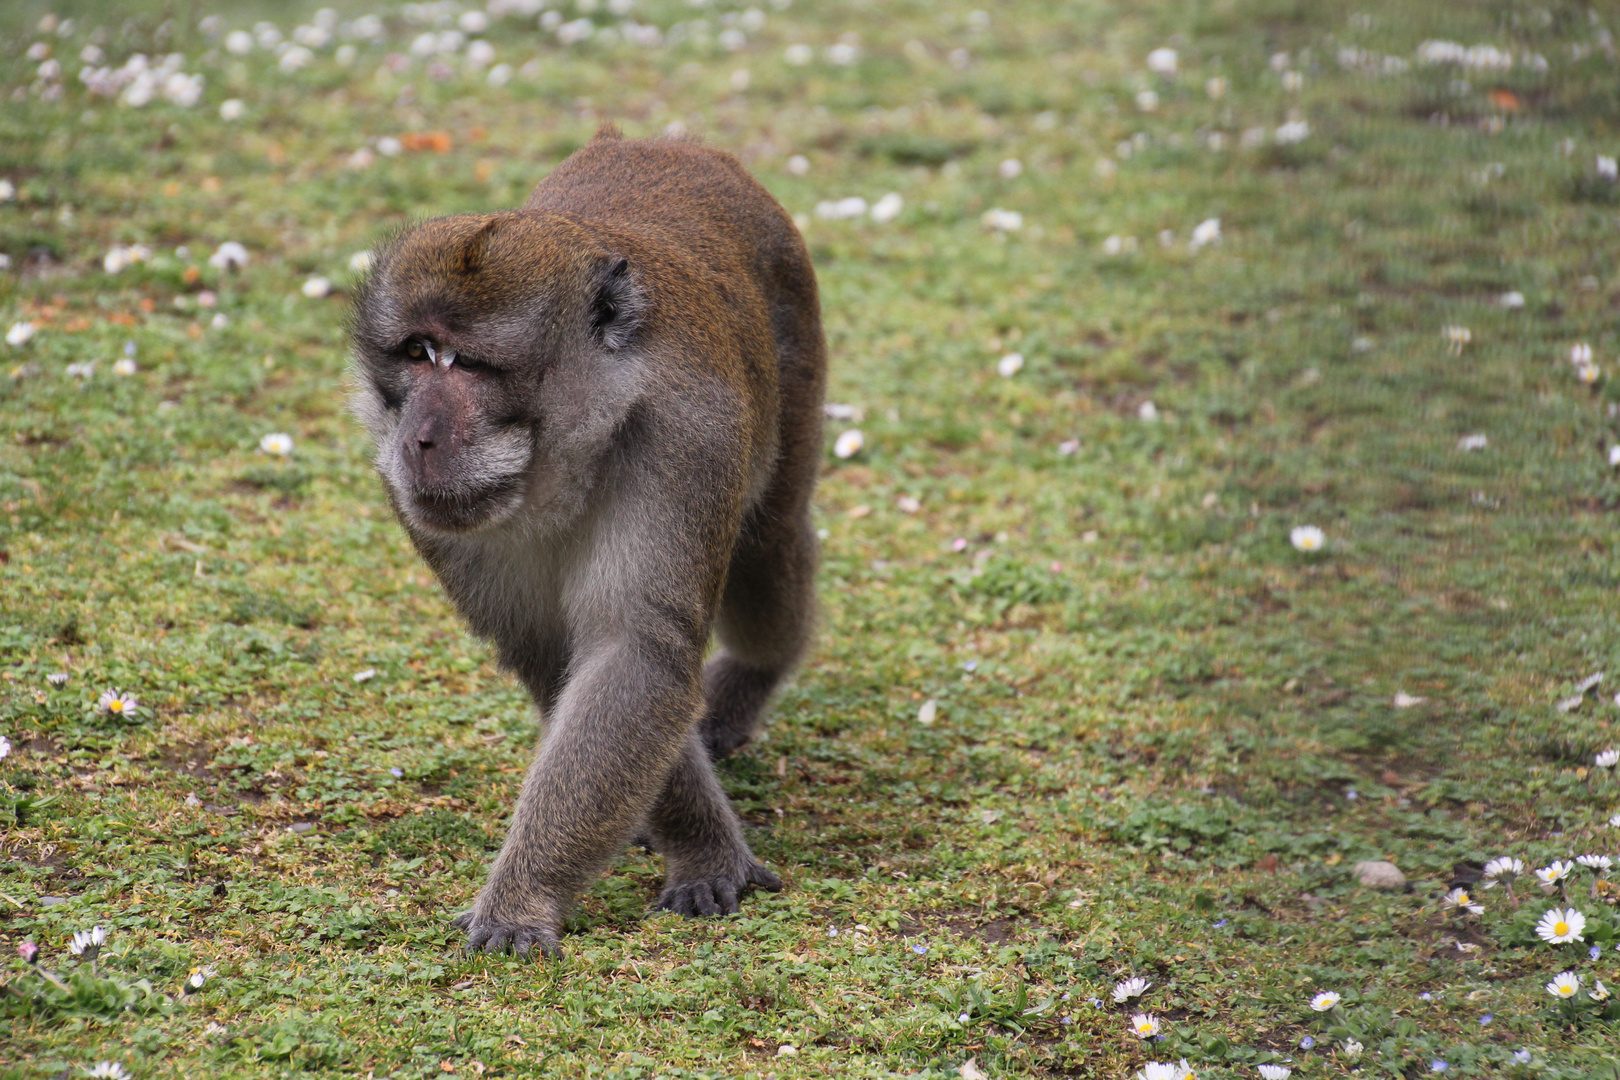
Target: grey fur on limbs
x,y
599,420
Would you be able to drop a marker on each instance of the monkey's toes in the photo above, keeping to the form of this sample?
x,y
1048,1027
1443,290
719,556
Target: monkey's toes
x,y
761,877
495,937
711,896
717,895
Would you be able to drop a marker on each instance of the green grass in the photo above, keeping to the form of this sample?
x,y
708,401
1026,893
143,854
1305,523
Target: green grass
x,y
1151,710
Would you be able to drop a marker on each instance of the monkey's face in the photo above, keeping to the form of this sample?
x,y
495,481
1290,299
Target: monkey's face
x,y
455,335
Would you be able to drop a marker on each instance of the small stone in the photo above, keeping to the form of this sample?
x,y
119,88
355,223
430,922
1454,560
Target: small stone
x,y
52,901
306,826
1380,875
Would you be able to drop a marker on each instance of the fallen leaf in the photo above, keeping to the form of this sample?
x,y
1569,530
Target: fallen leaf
x,y
1506,100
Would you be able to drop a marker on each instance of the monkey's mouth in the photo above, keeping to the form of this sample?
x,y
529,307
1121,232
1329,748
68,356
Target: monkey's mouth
x,y
465,509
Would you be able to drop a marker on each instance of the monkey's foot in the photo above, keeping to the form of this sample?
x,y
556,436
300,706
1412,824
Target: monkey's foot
x,y
494,936
736,696
716,894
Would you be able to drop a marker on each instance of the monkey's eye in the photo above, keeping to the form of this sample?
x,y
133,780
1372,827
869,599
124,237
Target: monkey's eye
x,y
415,349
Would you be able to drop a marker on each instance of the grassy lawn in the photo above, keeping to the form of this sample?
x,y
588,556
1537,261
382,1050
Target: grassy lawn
x,y
1079,711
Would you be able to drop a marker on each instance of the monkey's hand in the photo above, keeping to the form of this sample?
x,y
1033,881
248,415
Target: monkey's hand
x,y
494,935
710,892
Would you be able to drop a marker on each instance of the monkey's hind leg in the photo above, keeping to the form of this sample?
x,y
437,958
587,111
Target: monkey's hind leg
x,y
707,862
764,625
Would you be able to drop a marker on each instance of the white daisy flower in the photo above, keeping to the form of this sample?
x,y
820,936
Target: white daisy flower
x,y
1560,926
1216,88
88,943
1275,1072
1144,1025
1473,442
1457,337
124,366
1163,61
887,208
1147,412
1011,169
1608,759
1459,899
1552,874
19,333
1205,232
1129,988
109,1070
1010,365
1599,992
1306,538
229,256
317,287
57,678
1614,821
1504,868
1002,220
232,109
1580,354
1564,985
1292,132
1165,1070
1601,863
1326,1001
5,748
1147,100
118,703
278,443
849,443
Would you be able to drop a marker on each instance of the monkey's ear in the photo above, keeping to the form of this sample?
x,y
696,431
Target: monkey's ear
x,y
618,306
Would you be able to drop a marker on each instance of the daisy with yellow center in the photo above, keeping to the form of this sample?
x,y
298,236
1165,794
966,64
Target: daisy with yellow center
x,y
118,703
1561,925
1459,899
1144,1025
1326,1001
1564,986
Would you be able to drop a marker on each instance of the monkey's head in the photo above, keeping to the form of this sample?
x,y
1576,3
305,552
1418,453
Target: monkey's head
x,y
455,333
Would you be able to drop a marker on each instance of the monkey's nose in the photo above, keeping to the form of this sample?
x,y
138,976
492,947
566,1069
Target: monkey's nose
x,y
426,436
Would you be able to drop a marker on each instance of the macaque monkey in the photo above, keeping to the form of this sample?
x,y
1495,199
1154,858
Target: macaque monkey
x,y
599,419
